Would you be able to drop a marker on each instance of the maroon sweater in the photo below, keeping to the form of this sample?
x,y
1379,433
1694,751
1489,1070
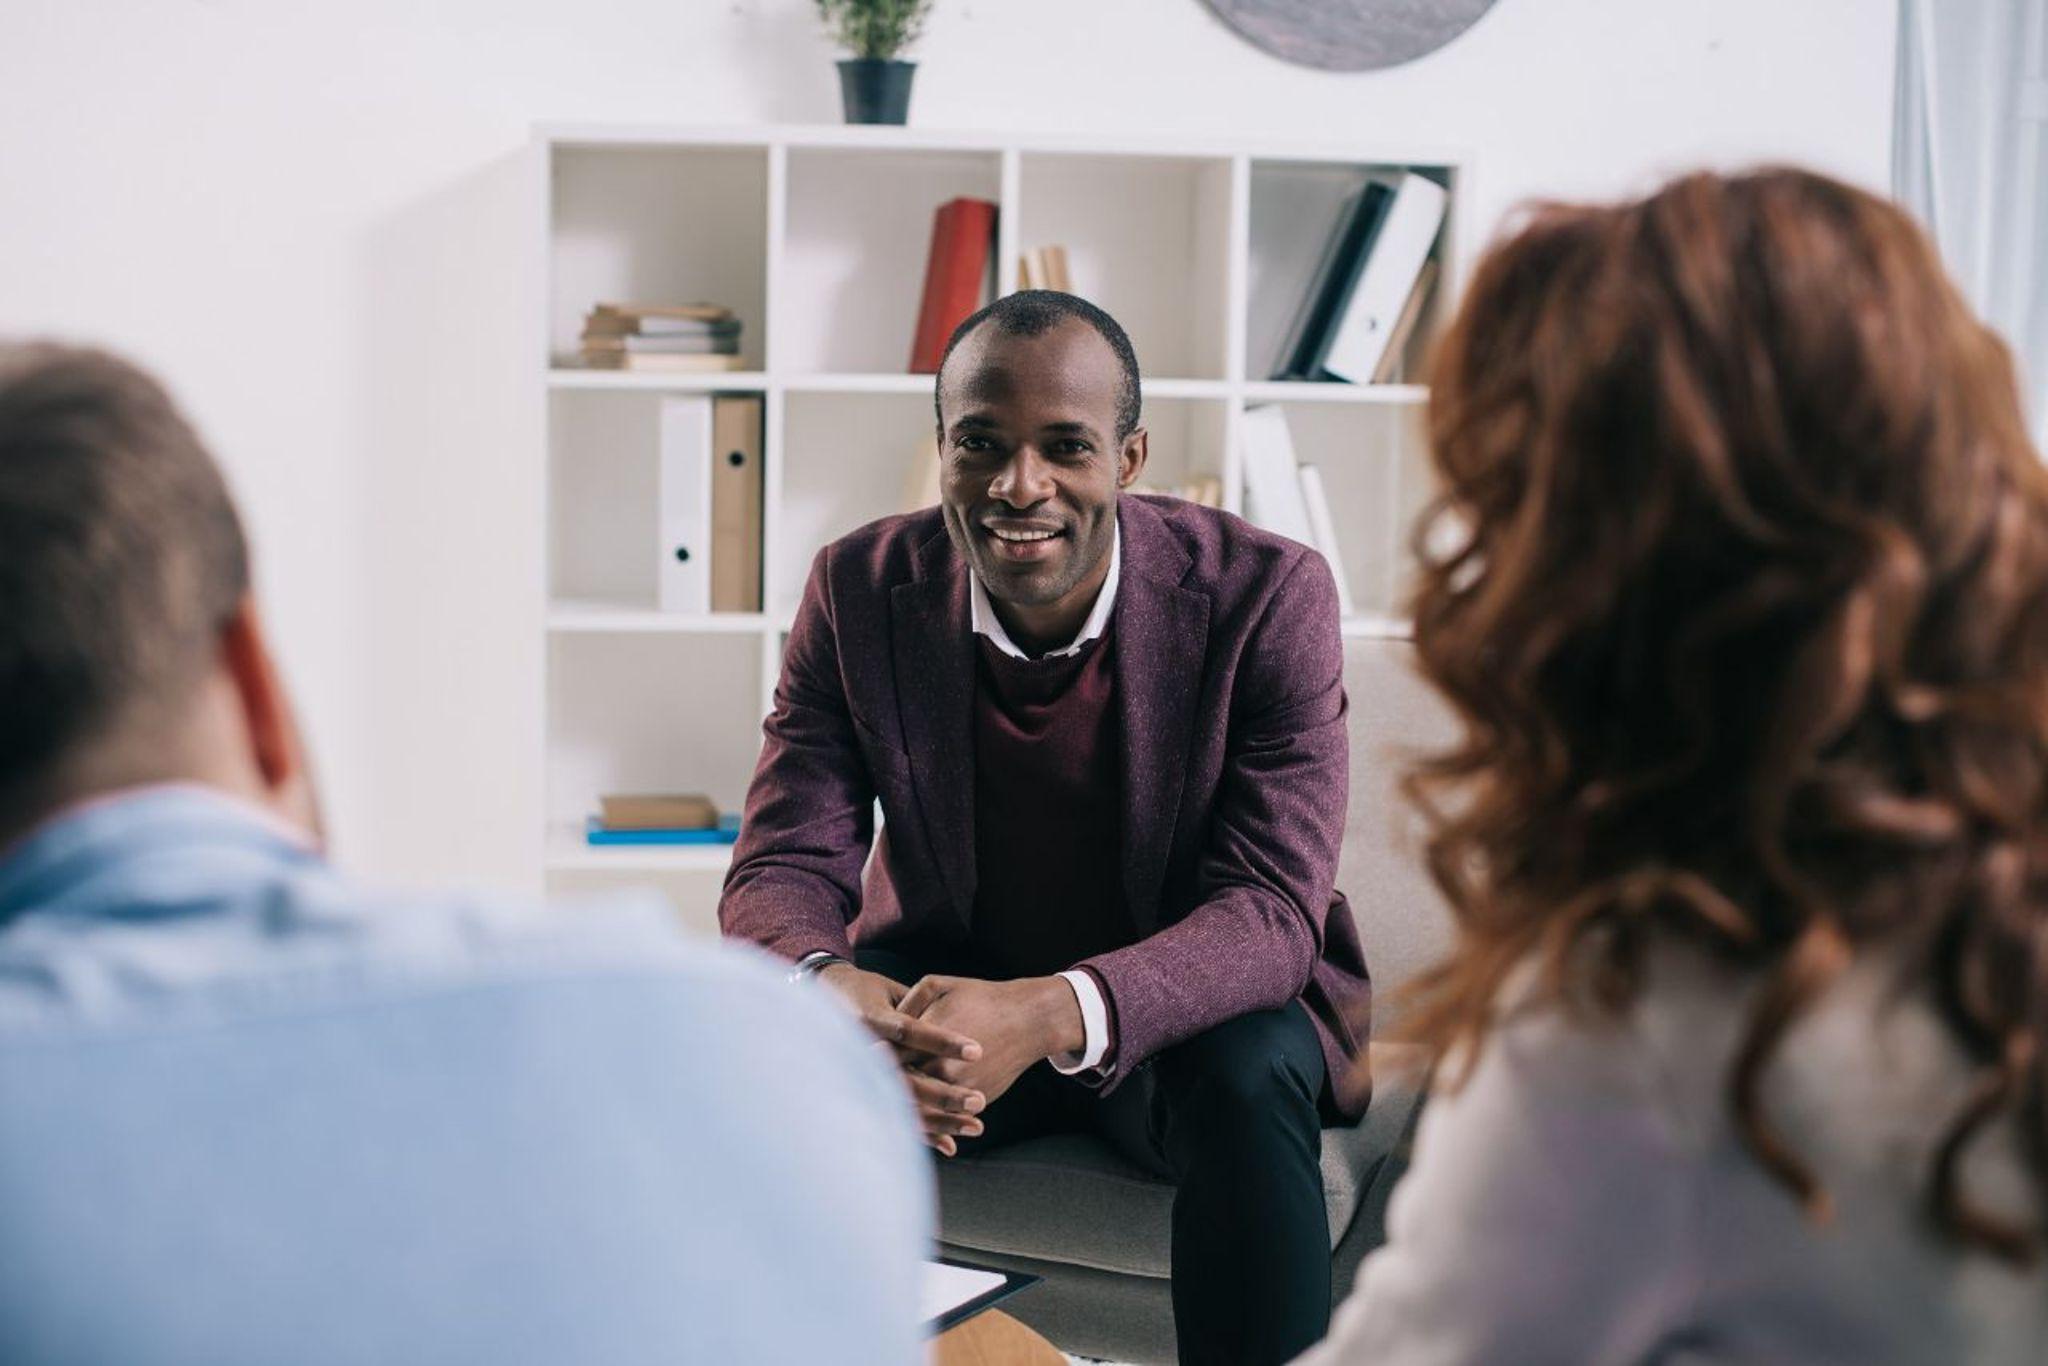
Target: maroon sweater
x,y
1048,811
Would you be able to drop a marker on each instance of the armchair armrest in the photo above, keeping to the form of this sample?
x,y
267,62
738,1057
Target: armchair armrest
x,y
1399,1081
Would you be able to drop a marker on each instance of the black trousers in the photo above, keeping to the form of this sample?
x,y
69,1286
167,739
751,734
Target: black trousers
x,y
1234,1119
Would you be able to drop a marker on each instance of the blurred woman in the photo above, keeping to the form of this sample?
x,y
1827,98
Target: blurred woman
x,y
1739,590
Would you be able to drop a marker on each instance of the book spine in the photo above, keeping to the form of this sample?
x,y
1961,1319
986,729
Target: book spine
x,y
1056,274
725,832
1336,276
1272,487
736,503
684,573
613,816
667,344
666,362
1395,261
1323,527
602,837
921,479
963,231
1393,365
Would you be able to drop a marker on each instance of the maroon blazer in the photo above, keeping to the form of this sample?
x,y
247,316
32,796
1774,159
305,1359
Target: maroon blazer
x,y
1229,677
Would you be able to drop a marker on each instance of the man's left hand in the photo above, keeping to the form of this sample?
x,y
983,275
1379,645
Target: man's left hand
x,y
1017,1023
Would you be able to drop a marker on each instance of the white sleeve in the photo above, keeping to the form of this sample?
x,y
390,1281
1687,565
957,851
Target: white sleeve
x,y
816,956
1094,1023
1549,1216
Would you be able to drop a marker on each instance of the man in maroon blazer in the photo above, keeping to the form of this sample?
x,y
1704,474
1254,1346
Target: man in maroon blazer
x,y
1107,734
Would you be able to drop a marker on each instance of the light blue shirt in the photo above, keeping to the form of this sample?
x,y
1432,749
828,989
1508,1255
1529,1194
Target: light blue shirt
x,y
252,1113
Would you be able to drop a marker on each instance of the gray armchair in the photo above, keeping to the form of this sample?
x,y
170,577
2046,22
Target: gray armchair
x,y
1095,1227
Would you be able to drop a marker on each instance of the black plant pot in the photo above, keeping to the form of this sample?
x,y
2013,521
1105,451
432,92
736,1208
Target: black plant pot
x,y
876,90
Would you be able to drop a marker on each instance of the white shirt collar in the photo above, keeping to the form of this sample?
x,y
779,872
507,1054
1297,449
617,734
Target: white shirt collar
x,y
986,623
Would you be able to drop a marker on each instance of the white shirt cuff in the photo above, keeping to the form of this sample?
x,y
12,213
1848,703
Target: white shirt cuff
x,y
1094,1025
816,958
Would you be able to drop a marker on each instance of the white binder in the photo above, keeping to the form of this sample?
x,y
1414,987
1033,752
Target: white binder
x,y
1320,522
1272,487
1403,244
684,573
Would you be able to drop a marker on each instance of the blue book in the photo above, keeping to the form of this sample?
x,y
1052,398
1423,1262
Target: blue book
x,y
725,832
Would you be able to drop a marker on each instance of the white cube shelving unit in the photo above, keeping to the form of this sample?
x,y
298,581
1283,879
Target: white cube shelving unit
x,y
817,238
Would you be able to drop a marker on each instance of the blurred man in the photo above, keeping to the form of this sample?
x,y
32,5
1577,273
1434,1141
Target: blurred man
x,y
253,1113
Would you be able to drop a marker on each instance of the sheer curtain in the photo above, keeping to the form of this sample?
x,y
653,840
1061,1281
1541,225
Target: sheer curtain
x,y
1970,156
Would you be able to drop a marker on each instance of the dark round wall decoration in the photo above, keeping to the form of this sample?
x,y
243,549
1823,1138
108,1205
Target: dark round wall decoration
x,y
1350,35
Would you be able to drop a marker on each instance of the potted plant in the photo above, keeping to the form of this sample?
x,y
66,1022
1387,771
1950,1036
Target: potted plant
x,y
874,82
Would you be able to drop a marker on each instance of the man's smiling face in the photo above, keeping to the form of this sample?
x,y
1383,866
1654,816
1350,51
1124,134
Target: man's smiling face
x,y
1031,461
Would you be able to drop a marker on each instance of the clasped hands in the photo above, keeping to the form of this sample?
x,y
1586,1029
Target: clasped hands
x,y
961,1042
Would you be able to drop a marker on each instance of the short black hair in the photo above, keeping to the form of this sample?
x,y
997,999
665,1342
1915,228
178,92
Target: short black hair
x,y
121,557
1030,312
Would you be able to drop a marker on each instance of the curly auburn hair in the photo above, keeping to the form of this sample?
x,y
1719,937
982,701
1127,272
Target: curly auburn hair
x,y
1738,585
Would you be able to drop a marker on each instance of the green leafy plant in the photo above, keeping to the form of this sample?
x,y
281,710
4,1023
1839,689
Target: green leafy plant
x,y
874,28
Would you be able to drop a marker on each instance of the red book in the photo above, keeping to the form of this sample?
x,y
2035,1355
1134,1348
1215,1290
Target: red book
x,y
963,235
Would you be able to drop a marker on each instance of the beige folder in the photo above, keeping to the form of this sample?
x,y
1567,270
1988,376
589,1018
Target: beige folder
x,y
736,491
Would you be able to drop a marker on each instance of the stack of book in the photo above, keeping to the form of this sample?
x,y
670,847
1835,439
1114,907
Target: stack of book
x,y
1371,287
663,337
659,818
1282,494
1044,268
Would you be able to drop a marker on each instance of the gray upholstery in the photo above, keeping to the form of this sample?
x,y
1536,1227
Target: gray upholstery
x,y
1070,1199
1094,1226
1125,1318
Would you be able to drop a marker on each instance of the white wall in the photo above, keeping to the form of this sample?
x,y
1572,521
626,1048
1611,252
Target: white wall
x,y
312,220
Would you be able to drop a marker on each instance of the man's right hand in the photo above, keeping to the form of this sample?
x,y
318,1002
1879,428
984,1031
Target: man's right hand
x,y
945,1109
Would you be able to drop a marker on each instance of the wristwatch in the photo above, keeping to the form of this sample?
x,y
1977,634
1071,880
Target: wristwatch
x,y
811,964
